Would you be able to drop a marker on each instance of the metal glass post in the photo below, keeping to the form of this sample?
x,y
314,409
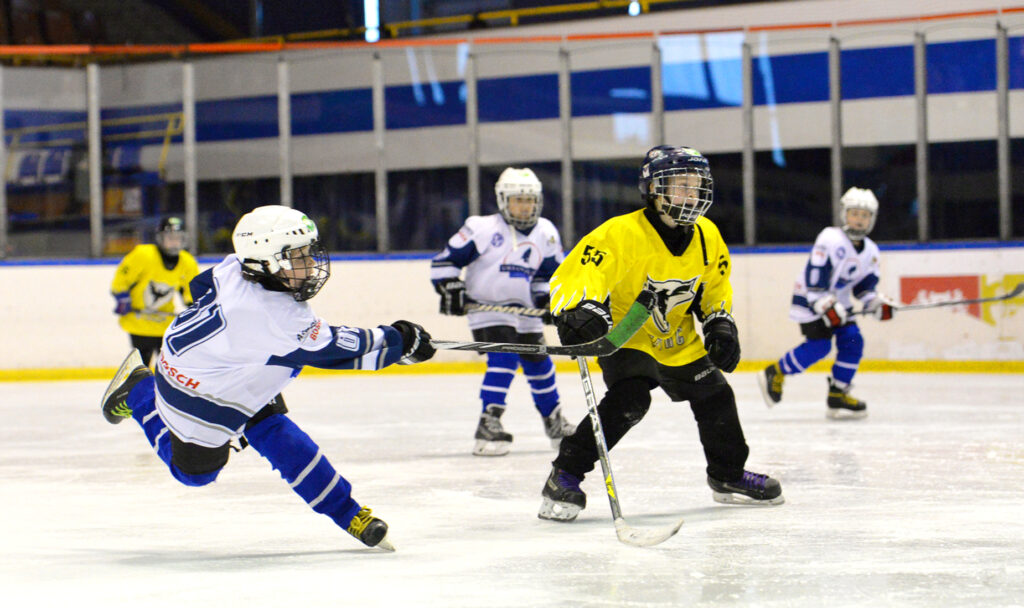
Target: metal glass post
x,y
92,79
657,94
1003,141
565,116
835,88
3,167
749,212
188,109
921,98
473,126
381,172
284,130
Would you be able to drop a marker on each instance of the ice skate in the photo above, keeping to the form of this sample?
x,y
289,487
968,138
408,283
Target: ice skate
x,y
491,438
770,381
751,489
842,405
562,497
115,399
370,530
556,427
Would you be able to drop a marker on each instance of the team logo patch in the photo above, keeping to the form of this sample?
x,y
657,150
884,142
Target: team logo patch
x,y
497,239
156,295
668,295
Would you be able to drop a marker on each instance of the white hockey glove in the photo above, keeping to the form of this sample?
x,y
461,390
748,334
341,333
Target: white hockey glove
x,y
881,306
832,312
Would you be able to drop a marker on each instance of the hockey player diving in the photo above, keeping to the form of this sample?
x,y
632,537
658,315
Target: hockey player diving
x,y
843,263
146,282
225,360
508,258
670,248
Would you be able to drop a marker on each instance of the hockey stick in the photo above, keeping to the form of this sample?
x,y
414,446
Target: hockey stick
x,y
515,310
637,537
605,345
1013,293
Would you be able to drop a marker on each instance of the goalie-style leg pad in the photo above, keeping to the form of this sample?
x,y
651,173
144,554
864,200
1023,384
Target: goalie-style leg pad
x,y
850,347
301,463
541,376
142,401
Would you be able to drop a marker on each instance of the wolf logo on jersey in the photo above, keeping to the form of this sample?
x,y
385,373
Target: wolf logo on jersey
x,y
157,294
669,294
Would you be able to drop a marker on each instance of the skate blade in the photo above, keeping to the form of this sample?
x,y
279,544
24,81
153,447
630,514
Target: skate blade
x,y
838,413
491,448
731,498
385,545
558,511
762,382
132,361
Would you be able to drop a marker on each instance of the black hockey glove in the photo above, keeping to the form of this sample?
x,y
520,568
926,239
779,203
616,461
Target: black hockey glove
x,y
722,341
585,323
543,300
453,296
416,346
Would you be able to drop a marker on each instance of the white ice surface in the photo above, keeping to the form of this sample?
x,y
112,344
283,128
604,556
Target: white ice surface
x,y
921,504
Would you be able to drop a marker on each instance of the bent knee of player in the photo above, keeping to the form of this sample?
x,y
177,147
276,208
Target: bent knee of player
x,y
634,398
194,480
850,342
196,465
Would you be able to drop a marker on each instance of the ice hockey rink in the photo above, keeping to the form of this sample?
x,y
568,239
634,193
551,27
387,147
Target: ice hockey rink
x,y
921,504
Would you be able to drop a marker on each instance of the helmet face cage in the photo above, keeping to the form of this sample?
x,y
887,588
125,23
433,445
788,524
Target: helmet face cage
x,y
171,236
858,198
681,197
316,263
516,183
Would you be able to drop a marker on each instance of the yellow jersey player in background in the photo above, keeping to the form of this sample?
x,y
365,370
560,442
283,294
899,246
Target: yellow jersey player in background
x,y
671,249
145,283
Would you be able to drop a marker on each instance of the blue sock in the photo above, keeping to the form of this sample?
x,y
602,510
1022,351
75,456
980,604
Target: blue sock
x,y
142,400
501,368
541,376
301,463
850,346
804,356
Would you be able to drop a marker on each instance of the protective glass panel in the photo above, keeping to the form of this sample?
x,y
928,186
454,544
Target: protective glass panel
x,y
237,149
47,168
792,134
142,128
879,120
427,144
333,154
962,127
702,84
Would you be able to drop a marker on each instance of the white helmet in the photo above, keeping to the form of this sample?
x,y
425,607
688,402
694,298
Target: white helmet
x,y
859,198
275,238
519,182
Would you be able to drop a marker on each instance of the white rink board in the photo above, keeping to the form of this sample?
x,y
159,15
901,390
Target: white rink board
x,y
66,322
917,506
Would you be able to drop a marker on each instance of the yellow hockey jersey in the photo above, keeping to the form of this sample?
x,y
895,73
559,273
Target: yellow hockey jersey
x,y
619,257
152,287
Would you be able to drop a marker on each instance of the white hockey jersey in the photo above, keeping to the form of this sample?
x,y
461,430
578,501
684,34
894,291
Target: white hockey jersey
x,y
503,266
835,267
239,345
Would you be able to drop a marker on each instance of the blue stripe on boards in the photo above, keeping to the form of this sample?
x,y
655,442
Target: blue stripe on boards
x,y
514,98
962,67
344,111
613,91
877,72
229,418
425,104
237,118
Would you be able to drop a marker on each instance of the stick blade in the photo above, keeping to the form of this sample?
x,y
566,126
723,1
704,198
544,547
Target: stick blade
x,y
644,537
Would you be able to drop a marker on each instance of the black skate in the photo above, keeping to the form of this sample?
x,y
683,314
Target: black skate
x,y
491,438
562,497
370,530
842,405
770,381
115,399
556,427
751,489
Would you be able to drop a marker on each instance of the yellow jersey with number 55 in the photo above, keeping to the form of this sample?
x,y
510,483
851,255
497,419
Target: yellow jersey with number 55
x,y
615,261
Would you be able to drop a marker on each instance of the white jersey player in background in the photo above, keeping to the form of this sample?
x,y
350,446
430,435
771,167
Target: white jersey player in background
x,y
508,258
225,360
843,263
